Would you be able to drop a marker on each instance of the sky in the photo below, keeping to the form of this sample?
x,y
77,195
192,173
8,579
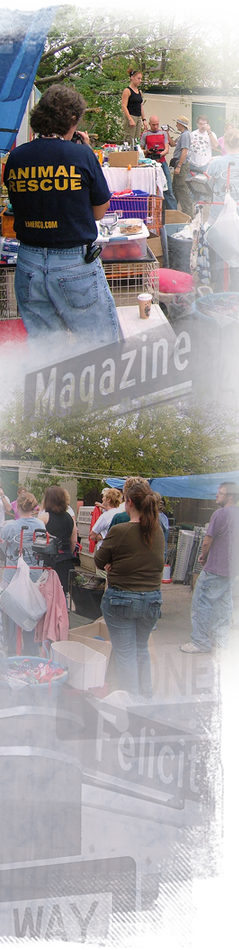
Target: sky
x,y
217,10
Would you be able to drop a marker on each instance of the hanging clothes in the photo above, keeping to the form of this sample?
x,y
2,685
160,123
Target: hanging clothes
x,y
54,625
203,261
94,517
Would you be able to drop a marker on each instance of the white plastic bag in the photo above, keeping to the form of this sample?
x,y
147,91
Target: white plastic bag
x,y
223,235
21,600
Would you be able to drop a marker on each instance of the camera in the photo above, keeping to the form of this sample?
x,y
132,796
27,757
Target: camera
x,y
154,153
77,137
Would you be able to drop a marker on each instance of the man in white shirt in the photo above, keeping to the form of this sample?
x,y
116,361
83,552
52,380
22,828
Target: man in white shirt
x,y
5,507
203,140
110,502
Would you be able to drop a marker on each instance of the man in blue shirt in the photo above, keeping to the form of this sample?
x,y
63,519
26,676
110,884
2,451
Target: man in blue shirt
x,y
212,599
181,165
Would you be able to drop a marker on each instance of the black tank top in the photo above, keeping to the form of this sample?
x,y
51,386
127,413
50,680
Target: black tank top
x,y
134,102
61,525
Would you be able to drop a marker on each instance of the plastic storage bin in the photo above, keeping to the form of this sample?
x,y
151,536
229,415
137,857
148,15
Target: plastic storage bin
x,y
86,667
119,247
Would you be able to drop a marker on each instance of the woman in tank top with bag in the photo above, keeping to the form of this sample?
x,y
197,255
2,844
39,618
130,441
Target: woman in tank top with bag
x,y
132,106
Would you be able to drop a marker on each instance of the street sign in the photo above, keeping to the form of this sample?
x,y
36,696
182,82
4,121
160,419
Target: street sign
x,y
69,900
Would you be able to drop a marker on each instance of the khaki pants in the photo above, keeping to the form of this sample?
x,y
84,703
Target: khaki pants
x,y
132,131
181,191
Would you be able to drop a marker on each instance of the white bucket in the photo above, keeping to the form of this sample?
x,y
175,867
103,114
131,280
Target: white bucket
x,y
166,574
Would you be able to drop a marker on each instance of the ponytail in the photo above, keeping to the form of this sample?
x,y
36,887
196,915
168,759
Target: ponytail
x,y
144,501
132,72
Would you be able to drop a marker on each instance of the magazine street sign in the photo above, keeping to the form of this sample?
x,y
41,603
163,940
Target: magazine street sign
x,y
122,375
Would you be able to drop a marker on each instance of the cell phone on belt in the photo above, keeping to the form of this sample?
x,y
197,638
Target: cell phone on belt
x,y
93,251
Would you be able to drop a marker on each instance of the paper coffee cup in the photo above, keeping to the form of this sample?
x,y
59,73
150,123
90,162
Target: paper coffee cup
x,y
144,301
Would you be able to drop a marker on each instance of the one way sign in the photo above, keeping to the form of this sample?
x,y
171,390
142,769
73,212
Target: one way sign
x,y
70,900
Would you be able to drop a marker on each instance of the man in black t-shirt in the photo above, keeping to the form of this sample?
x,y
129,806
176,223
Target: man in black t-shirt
x,y
58,192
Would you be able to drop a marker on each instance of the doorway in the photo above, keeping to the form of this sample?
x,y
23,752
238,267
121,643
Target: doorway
x,y
216,113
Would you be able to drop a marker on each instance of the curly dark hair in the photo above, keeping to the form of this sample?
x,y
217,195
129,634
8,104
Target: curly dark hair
x,y
59,108
55,499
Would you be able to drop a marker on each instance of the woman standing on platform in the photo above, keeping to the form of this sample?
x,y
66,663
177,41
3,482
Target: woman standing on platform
x,y
132,106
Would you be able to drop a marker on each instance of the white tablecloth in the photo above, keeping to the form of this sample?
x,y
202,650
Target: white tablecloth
x,y
144,177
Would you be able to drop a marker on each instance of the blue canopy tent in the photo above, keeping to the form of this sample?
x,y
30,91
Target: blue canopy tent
x,y
185,486
21,47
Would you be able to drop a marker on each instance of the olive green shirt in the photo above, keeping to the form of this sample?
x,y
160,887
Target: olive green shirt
x,y
135,566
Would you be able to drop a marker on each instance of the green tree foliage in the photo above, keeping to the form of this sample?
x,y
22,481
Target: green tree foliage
x,y
94,50
163,441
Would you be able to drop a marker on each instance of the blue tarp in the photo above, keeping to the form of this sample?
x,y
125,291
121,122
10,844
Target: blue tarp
x,y
185,486
21,46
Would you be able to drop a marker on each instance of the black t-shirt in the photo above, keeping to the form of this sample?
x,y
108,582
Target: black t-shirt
x,y
61,526
134,102
52,185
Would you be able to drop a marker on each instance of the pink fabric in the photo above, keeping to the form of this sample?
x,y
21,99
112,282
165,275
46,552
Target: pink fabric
x,y
14,508
221,143
54,625
172,281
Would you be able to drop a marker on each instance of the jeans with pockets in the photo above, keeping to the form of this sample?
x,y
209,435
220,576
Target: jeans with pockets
x,y
130,617
211,610
56,290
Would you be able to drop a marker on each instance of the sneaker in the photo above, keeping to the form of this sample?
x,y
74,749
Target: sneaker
x,y
191,648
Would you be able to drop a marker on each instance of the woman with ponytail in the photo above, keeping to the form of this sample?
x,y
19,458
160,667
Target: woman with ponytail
x,y
132,106
134,554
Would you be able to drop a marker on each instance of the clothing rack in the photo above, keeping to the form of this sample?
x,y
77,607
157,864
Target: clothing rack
x,y
11,567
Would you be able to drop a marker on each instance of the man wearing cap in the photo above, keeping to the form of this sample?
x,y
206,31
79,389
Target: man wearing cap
x,y
181,165
212,599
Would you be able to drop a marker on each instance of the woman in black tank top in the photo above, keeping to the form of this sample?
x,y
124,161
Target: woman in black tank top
x,y
60,524
132,106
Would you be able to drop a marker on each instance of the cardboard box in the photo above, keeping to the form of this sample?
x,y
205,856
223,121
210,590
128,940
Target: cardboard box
x,y
7,225
96,629
154,243
176,217
123,159
87,561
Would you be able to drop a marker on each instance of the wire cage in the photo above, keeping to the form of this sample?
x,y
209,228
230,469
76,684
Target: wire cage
x,y
140,205
127,279
8,303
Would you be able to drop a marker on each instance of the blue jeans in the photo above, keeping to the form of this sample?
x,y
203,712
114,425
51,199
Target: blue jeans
x,y
56,290
170,200
130,617
211,610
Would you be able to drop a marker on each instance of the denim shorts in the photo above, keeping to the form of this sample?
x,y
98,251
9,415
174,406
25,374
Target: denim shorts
x,y
56,290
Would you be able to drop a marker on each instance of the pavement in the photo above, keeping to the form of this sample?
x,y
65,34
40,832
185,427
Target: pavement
x,y
174,629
